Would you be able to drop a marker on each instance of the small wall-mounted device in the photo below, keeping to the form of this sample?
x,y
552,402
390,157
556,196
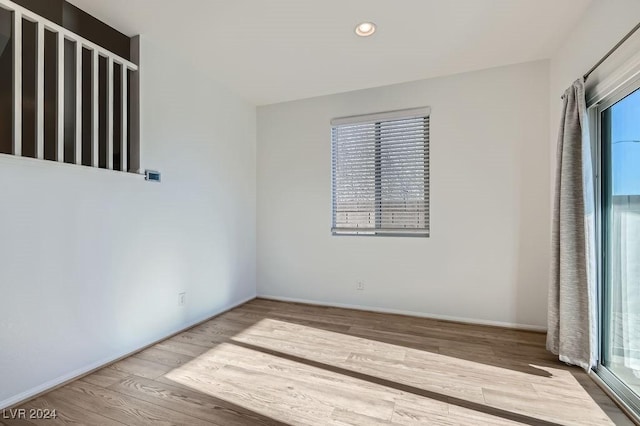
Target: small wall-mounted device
x,y
152,175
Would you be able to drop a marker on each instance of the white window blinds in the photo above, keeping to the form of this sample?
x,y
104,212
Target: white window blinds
x,y
380,169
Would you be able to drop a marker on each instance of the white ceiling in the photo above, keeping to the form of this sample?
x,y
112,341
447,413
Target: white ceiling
x,y
272,51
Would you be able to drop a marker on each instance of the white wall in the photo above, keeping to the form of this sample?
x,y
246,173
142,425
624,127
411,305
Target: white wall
x,y
488,254
91,262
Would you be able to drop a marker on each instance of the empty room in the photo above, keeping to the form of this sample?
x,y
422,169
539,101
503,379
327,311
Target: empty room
x,y
320,212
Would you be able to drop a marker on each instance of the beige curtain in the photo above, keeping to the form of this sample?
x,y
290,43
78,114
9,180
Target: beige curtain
x,y
572,296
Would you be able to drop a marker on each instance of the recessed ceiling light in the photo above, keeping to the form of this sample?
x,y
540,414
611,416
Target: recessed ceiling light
x,y
365,29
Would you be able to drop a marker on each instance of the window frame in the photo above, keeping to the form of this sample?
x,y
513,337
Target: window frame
x,y
378,119
601,99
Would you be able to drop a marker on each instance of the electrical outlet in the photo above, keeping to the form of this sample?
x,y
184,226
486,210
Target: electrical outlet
x,y
360,286
181,298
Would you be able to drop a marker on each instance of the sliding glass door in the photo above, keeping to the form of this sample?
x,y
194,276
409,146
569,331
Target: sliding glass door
x,y
619,127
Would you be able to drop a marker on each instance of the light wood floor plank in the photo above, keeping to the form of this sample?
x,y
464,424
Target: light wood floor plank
x,y
190,402
141,367
342,417
181,348
106,376
163,357
127,410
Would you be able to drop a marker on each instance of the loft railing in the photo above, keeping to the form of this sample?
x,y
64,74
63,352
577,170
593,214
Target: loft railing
x,y
62,34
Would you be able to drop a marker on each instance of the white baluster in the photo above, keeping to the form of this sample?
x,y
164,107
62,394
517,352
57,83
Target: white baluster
x,y
17,83
40,91
60,97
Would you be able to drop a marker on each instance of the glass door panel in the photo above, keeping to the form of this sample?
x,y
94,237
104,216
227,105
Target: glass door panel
x,y
620,127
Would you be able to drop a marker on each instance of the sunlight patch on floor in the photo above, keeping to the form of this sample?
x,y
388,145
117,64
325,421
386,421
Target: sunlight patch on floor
x,y
351,374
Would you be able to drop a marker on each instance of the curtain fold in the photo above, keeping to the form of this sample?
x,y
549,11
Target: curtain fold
x,y
572,294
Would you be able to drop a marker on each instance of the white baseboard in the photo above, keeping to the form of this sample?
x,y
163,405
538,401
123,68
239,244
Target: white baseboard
x,y
80,372
516,326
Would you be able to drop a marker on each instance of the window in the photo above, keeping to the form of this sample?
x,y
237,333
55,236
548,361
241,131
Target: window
x,y
380,165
